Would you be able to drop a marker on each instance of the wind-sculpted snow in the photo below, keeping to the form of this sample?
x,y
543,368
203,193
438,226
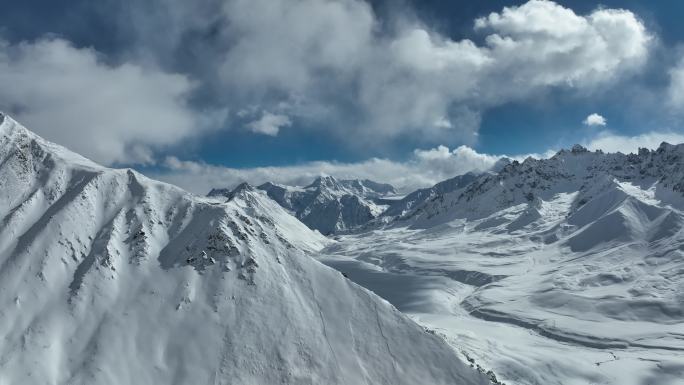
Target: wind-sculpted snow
x,y
585,251
108,277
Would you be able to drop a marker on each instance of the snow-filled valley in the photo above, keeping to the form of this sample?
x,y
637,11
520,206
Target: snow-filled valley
x,y
561,271
108,277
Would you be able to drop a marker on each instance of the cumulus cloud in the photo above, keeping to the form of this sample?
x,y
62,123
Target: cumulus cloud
x,y
342,68
594,120
269,124
280,45
541,43
424,168
416,80
612,142
676,88
111,113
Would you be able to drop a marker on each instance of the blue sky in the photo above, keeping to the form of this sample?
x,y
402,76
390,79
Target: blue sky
x,y
218,92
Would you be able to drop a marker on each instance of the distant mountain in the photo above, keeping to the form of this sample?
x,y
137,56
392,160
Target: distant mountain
x,y
569,171
108,277
329,205
405,206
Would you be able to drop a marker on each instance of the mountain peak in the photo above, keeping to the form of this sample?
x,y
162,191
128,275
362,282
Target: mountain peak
x,y
665,146
578,149
9,125
329,204
500,164
324,181
110,250
240,189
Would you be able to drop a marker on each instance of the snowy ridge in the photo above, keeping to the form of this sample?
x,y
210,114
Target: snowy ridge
x,y
577,170
406,205
108,277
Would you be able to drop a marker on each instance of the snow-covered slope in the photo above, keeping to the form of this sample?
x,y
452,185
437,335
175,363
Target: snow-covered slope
x,y
577,170
568,270
329,205
108,277
406,205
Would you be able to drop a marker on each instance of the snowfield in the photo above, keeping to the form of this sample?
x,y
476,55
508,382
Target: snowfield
x,y
561,271
108,277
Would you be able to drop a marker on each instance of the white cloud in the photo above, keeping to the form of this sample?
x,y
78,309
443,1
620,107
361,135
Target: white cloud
x,y
424,168
280,45
594,120
111,113
443,123
329,59
332,63
541,43
612,142
675,92
269,124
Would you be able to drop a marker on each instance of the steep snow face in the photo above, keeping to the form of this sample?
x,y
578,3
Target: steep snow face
x,y
329,205
406,205
107,277
561,271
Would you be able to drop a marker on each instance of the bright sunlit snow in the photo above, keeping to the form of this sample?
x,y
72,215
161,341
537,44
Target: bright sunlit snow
x,y
108,277
352,192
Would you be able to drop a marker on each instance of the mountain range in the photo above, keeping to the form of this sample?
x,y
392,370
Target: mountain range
x,y
544,271
327,204
583,251
550,271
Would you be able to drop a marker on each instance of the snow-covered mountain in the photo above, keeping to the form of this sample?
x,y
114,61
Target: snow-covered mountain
x,y
553,271
329,205
589,174
405,206
108,277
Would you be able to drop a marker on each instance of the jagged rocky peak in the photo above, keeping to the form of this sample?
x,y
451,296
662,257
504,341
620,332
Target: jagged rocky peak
x,y
664,146
324,181
578,149
363,187
217,192
331,205
267,185
500,164
240,189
